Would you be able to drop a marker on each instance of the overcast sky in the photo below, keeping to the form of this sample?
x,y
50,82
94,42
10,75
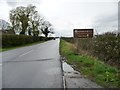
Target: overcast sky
x,y
66,15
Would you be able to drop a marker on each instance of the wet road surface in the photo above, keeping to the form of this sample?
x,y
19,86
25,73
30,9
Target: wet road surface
x,y
36,66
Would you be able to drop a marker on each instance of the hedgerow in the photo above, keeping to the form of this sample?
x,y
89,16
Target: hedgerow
x,y
9,40
106,47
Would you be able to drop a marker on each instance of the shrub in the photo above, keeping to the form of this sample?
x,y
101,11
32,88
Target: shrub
x,y
84,44
68,39
17,40
106,47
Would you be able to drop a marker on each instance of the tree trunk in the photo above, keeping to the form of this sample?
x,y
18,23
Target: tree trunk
x,y
46,35
24,27
22,33
29,32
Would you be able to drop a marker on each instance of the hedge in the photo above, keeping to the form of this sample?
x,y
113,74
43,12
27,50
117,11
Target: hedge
x,y
68,39
106,47
18,40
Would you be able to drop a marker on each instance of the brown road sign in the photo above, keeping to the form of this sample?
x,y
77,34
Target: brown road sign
x,y
83,33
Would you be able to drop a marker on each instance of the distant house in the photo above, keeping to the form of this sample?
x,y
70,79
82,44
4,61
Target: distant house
x,y
5,31
4,27
2,32
83,33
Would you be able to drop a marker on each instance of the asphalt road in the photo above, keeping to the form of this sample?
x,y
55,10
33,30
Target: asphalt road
x,y
36,66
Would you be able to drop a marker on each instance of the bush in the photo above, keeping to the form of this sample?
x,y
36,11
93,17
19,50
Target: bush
x,y
17,40
68,39
84,44
106,47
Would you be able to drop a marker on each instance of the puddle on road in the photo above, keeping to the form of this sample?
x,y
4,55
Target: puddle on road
x,y
67,68
69,71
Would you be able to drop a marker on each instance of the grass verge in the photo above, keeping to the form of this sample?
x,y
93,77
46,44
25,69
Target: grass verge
x,y
15,47
92,68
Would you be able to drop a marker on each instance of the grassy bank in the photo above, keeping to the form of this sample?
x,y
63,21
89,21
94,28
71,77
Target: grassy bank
x,y
90,67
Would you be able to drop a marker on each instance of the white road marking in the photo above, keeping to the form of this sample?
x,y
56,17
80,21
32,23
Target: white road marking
x,y
25,53
0,64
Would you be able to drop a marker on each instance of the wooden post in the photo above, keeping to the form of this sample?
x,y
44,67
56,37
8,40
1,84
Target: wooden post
x,y
78,45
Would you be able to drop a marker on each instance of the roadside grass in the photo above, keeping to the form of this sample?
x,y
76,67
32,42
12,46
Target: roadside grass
x,y
15,47
92,68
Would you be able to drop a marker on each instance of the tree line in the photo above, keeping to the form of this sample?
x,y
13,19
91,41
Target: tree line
x,y
27,21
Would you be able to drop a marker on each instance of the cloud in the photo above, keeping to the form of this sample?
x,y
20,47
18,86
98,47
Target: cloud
x,y
65,15
119,16
77,14
12,4
106,23
15,3
107,20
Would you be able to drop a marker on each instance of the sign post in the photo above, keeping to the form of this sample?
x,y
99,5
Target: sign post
x,y
79,35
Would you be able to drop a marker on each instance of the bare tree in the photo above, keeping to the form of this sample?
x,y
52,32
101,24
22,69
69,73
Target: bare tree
x,y
46,28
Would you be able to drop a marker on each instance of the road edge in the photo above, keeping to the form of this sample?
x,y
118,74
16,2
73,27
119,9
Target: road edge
x,y
63,77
